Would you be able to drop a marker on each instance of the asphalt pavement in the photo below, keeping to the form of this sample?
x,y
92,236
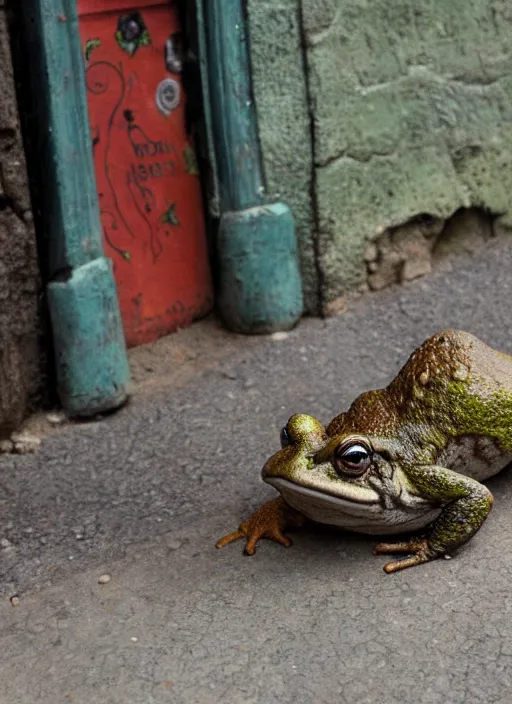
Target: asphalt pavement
x,y
143,495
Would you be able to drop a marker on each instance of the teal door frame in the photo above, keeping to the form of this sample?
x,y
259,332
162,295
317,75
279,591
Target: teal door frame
x,y
260,284
90,354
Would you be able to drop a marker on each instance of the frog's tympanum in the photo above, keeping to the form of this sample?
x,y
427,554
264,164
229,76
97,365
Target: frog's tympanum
x,y
406,458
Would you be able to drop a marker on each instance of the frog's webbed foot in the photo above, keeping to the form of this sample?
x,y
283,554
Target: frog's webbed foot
x,y
419,548
268,522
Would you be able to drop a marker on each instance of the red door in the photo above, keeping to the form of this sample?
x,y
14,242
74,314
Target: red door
x,y
147,178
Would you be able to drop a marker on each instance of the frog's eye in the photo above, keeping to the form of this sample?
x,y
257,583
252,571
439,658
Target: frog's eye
x,y
352,460
285,438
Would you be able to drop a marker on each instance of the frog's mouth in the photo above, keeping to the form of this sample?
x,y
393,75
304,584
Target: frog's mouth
x,y
360,510
348,494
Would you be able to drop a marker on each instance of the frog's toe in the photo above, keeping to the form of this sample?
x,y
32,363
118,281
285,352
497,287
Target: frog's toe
x,y
419,548
253,540
278,537
270,533
412,561
391,548
229,538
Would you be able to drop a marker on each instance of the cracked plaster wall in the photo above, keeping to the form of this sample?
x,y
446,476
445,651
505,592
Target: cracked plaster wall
x,y
20,325
412,107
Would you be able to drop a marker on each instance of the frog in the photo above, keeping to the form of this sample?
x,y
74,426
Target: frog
x,y
407,460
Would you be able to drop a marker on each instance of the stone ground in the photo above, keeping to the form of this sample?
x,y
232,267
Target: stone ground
x,y
143,495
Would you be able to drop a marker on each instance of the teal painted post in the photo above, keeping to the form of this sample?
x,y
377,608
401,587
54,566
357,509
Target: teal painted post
x,y
90,353
260,286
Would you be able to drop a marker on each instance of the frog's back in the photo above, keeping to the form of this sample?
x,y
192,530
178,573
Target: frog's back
x,y
489,370
458,384
454,384
454,355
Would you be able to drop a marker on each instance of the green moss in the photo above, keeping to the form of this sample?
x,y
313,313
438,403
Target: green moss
x,y
456,408
475,415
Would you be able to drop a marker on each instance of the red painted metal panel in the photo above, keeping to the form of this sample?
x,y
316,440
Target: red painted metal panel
x,y
89,7
147,178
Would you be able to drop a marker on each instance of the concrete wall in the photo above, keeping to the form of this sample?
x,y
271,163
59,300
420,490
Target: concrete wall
x,y
20,359
411,105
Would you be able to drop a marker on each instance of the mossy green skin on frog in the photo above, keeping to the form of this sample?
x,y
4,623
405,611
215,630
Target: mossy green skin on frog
x,y
407,457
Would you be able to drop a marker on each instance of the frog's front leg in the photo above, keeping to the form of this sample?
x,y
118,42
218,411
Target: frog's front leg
x,y
466,504
269,522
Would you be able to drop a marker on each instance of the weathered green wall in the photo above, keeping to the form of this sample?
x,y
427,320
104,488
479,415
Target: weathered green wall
x,y
412,108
